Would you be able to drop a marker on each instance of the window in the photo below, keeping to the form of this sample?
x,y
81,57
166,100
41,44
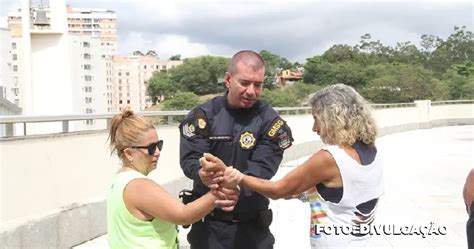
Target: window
x,y
128,94
14,57
86,44
87,78
15,68
13,45
87,56
144,67
120,95
89,110
128,101
120,88
119,74
120,101
88,100
127,74
89,122
163,67
88,89
87,67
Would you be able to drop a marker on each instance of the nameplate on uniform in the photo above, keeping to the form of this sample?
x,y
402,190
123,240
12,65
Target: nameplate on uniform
x,y
221,138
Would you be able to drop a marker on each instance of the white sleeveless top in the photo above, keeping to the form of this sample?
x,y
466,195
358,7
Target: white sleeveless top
x,y
361,183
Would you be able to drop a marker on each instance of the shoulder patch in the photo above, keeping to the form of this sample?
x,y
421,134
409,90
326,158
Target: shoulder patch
x,y
284,138
201,121
188,130
277,124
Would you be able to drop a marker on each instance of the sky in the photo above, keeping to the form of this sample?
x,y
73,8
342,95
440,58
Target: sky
x,y
293,29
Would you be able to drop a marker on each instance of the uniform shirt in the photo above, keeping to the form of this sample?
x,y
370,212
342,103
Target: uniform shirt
x,y
125,230
251,140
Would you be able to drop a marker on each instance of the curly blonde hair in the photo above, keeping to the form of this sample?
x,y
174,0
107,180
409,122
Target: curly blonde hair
x,y
126,129
344,116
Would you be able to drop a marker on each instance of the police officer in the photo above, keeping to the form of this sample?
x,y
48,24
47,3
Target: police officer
x,y
245,133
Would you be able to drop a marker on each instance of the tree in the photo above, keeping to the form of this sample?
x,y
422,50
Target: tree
x,y
373,52
395,83
182,101
273,66
175,57
407,53
457,49
340,53
137,52
152,53
201,75
459,80
160,87
279,97
315,70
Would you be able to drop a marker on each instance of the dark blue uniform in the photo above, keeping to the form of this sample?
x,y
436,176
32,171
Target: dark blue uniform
x,y
251,140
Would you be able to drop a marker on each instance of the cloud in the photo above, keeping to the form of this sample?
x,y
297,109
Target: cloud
x,y
294,29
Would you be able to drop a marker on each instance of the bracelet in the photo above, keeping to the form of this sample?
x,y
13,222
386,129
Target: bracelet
x,y
304,197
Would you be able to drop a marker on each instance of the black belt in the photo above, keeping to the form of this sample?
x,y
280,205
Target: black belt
x,y
234,217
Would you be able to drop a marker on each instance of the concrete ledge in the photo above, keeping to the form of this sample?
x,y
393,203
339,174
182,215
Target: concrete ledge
x,y
63,230
82,223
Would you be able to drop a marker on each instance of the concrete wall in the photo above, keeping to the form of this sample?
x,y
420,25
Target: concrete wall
x,y
52,188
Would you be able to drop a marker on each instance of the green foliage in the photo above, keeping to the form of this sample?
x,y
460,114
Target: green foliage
x,y
459,80
175,57
294,95
182,101
201,75
340,53
401,83
280,98
318,71
160,85
273,65
457,49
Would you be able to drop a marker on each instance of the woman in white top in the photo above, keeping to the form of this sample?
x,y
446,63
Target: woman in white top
x,y
343,181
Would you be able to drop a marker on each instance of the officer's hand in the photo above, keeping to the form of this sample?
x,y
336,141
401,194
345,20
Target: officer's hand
x,y
232,177
211,163
211,179
227,198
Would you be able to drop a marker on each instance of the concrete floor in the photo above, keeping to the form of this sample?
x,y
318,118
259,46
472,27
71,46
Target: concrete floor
x,y
424,172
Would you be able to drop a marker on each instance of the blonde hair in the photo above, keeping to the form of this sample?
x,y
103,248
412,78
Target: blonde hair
x,y
344,116
125,130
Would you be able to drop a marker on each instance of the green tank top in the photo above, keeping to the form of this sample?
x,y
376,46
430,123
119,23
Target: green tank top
x,y
126,231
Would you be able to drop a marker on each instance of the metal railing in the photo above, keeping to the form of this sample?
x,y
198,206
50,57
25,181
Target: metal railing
x,y
166,117
453,102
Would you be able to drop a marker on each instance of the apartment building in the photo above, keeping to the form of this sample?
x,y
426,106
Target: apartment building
x,y
131,75
63,60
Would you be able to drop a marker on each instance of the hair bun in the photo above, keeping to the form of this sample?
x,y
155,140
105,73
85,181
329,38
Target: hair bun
x,y
127,113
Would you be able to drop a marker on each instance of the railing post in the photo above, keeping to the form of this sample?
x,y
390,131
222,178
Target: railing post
x,y
65,126
9,130
109,123
170,119
24,129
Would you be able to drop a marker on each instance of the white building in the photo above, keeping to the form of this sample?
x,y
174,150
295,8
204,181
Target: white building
x,y
131,75
63,61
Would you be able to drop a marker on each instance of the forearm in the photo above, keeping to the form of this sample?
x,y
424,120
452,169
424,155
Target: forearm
x,y
197,209
273,190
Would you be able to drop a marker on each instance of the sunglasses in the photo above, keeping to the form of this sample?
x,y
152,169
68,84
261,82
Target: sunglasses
x,y
151,147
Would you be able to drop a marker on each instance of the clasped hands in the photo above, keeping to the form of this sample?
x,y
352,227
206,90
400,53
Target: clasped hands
x,y
222,180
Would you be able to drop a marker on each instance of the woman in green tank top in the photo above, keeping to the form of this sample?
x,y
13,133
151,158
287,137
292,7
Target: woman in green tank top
x,y
140,213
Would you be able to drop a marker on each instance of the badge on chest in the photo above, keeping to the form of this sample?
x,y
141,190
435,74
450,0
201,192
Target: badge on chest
x,y
247,140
